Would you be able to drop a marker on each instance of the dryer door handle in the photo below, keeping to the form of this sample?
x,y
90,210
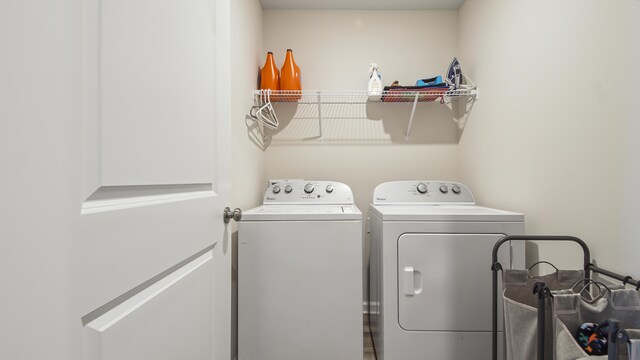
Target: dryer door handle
x,y
412,281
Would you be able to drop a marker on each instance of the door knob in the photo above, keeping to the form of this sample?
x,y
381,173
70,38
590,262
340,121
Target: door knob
x,y
236,214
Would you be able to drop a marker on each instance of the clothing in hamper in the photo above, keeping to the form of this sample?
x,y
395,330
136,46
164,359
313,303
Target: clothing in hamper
x,y
570,310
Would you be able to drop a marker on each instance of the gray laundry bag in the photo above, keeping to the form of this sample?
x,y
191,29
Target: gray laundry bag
x,y
570,310
520,306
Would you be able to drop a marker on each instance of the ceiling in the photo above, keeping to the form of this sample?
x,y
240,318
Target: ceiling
x,y
363,4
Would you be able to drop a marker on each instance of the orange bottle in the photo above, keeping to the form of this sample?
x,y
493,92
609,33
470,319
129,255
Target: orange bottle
x,y
290,76
269,74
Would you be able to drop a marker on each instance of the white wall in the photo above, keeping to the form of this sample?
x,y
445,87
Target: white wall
x,y
247,165
333,50
248,170
552,135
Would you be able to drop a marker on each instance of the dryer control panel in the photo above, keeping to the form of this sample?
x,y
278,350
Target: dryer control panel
x,y
423,192
309,192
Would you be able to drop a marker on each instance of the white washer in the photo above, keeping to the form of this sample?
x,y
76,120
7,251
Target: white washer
x,y
300,274
430,270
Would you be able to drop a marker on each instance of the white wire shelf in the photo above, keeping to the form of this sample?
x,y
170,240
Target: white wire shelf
x,y
359,96
264,99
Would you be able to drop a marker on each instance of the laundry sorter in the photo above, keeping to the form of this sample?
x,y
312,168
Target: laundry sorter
x,y
567,314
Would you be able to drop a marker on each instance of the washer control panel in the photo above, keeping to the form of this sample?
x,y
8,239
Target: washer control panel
x,y
425,192
309,192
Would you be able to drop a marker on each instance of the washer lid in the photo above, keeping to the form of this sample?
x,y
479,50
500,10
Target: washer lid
x,y
303,213
443,213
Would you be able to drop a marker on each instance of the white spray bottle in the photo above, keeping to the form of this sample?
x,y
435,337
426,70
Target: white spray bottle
x,y
375,83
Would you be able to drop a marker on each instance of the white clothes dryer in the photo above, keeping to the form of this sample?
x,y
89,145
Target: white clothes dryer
x,y
430,270
300,274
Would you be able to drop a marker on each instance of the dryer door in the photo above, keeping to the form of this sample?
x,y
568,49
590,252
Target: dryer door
x,y
444,281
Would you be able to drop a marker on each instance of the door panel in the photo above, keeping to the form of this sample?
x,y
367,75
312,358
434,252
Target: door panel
x,y
125,248
156,90
444,281
169,320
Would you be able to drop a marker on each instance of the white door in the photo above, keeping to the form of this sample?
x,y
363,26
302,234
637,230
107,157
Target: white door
x,y
114,140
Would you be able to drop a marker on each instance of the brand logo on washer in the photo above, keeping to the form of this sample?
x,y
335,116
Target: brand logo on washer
x,y
270,198
381,199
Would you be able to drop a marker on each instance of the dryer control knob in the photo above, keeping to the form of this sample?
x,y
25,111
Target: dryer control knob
x,y
276,189
329,189
456,189
422,188
444,189
288,189
308,188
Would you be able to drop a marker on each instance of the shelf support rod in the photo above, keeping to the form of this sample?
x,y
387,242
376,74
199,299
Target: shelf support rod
x,y
413,112
319,115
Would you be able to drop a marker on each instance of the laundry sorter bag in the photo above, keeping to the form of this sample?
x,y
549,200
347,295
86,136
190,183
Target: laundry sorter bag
x,y
521,310
570,310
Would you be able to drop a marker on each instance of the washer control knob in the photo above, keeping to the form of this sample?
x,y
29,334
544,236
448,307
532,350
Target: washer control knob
x,y
444,189
422,188
308,188
288,189
329,188
456,189
276,189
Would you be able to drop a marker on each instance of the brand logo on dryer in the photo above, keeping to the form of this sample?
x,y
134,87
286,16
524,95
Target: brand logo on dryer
x,y
270,198
381,199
